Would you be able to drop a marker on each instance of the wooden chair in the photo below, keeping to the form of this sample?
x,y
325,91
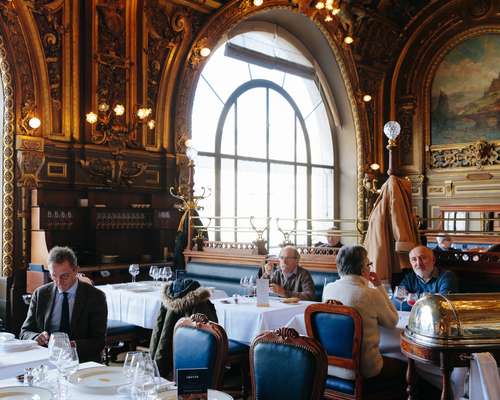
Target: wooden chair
x,y
339,329
200,343
118,336
285,365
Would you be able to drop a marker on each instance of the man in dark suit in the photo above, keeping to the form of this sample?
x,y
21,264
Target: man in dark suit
x,y
68,305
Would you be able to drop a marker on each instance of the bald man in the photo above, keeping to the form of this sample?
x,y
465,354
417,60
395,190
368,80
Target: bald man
x,y
426,277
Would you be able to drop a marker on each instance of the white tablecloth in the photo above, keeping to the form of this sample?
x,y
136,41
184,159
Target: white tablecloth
x,y
75,394
244,321
13,363
139,303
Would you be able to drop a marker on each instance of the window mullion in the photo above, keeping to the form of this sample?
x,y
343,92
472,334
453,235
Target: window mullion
x,y
235,166
268,199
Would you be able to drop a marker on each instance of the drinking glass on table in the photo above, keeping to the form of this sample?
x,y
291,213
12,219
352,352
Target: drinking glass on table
x,y
245,282
411,299
154,272
58,342
134,270
132,358
66,364
400,293
146,378
167,273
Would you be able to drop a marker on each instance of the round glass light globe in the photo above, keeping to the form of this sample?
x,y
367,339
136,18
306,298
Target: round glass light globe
x,y
191,153
34,122
392,130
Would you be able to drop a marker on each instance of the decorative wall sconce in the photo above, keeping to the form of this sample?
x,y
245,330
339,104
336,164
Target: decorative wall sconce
x,y
30,122
111,126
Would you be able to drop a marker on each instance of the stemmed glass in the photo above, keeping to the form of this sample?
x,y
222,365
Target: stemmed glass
x,y
146,377
245,282
400,294
134,270
67,364
58,342
167,273
154,272
411,299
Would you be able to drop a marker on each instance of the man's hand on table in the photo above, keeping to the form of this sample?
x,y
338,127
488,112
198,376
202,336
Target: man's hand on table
x,y
278,289
43,338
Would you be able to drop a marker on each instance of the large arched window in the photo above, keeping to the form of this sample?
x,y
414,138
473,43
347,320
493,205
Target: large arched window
x,y
262,129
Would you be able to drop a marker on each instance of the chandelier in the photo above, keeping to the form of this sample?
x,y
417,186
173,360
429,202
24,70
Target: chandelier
x,y
331,9
112,127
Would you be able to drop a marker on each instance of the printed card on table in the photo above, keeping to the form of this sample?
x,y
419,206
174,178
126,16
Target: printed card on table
x,y
192,384
262,292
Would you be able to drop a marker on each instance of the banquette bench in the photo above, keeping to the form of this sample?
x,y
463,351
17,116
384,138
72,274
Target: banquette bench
x,y
227,276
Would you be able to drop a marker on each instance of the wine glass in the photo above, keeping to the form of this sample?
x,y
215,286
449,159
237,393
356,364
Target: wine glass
x,y
411,299
252,285
67,364
400,294
134,270
132,358
154,272
58,342
244,281
167,273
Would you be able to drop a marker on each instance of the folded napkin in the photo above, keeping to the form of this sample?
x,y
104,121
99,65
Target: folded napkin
x,y
484,377
17,345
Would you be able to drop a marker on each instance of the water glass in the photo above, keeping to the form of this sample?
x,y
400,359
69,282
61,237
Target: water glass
x,y
154,272
134,270
58,342
167,273
146,379
387,287
400,294
132,358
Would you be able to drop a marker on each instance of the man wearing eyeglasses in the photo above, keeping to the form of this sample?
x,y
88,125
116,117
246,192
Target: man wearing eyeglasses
x,y
291,280
68,305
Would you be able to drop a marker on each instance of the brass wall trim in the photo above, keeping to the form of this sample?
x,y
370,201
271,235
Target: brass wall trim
x,y
8,165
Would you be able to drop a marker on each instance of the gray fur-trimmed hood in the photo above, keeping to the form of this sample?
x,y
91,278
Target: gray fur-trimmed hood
x,y
190,300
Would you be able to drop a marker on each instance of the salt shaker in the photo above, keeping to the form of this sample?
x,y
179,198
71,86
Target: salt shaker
x,y
28,376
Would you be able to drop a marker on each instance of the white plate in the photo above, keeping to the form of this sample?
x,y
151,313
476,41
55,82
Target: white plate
x,y
98,379
6,336
18,345
25,393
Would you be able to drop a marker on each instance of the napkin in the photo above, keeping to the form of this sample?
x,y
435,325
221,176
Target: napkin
x,y
17,345
484,377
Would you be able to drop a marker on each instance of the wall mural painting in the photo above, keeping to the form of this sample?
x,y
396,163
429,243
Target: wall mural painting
x,y
466,93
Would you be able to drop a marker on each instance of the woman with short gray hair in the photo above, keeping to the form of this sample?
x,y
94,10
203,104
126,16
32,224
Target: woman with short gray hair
x,y
361,289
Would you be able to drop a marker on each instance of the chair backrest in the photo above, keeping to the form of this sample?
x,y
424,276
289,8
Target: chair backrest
x,y
339,329
200,343
285,365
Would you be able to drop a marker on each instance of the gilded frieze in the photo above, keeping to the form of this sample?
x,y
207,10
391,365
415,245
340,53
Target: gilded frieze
x,y
165,29
477,155
25,100
111,57
48,15
7,164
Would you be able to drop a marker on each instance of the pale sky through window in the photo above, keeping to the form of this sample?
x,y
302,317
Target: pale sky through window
x,y
267,146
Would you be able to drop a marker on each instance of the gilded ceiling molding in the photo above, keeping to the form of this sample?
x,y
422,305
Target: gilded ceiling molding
x,y
30,57
8,164
169,34
214,30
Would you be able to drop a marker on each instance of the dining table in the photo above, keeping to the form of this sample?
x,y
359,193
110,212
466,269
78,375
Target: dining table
x,y
15,359
138,303
77,390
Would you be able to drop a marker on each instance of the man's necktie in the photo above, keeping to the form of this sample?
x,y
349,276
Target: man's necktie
x,y
64,325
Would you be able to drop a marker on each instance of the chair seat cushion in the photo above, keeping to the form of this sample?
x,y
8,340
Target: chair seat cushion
x,y
119,328
339,384
236,347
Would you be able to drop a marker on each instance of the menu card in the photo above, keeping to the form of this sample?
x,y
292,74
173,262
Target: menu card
x,y
192,384
262,292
